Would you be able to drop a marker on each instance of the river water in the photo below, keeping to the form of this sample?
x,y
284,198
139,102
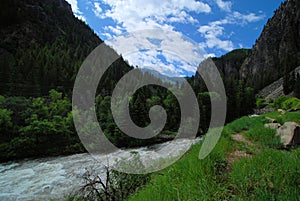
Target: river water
x,y
55,177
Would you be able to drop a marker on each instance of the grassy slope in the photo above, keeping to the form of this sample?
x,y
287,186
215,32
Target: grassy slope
x,y
269,174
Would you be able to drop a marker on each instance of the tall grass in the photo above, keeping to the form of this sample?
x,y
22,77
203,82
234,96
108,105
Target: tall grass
x,y
190,178
269,174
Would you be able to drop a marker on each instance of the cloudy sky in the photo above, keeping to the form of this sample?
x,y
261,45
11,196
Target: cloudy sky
x,y
174,36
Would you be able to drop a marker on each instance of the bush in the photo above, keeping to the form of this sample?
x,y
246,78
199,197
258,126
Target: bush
x,y
260,103
278,102
286,103
292,103
116,186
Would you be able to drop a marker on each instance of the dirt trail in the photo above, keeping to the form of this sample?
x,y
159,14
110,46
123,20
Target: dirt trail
x,y
237,154
241,138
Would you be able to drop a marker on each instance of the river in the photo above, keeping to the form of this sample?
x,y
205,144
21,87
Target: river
x,y
56,177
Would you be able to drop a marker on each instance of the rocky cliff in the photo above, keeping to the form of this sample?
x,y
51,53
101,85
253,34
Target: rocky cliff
x,y
278,48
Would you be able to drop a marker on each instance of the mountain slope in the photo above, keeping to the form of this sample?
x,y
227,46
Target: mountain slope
x,y
278,48
42,47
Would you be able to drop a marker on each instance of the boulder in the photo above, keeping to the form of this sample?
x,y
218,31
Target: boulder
x,y
289,134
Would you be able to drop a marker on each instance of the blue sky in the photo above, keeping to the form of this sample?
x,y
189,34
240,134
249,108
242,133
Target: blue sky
x,y
174,36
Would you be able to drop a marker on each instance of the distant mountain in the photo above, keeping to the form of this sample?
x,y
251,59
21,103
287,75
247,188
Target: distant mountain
x,y
164,78
277,50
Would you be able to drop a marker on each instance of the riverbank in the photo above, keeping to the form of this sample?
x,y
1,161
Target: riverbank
x,y
248,163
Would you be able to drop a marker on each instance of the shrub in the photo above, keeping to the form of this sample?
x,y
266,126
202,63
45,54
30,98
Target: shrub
x,y
278,102
286,103
115,186
260,103
291,103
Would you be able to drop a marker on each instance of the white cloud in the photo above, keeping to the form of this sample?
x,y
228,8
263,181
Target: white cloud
x,y
224,5
146,49
116,30
97,10
211,33
247,18
180,55
215,30
151,13
133,15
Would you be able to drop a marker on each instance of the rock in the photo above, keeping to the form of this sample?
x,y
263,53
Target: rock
x,y
273,125
289,134
263,110
275,89
271,120
281,111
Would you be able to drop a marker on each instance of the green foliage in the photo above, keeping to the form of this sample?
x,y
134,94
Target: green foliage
x,y
37,127
5,120
286,103
277,104
260,103
282,118
291,103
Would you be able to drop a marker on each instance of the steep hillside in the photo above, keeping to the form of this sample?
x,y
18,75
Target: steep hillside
x,y
42,47
25,23
278,48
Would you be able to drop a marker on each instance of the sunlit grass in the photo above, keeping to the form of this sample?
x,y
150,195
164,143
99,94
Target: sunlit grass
x,y
269,174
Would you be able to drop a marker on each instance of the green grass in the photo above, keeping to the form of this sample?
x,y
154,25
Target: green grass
x,y
190,178
282,118
270,173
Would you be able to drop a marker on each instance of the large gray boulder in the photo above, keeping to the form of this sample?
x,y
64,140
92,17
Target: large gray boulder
x,y
289,134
